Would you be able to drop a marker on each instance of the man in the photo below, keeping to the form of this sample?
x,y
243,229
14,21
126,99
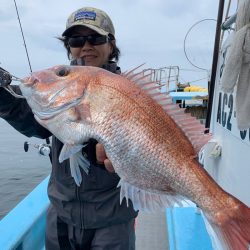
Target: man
x,y
89,216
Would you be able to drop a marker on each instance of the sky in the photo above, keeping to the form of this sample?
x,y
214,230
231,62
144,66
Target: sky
x,y
147,31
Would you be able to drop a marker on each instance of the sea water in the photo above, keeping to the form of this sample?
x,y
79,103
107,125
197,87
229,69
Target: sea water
x,y
20,171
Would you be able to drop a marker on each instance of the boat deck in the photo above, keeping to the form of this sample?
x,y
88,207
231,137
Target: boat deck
x,y
151,231
175,228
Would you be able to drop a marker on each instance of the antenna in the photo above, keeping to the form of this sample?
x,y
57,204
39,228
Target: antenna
x,y
23,37
185,39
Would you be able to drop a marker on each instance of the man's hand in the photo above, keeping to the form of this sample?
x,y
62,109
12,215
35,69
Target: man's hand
x,y
5,78
101,157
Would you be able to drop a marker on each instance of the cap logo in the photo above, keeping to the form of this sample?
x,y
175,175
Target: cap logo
x,y
88,15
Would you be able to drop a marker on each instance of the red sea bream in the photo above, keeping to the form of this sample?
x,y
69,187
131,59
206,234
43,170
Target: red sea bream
x,y
151,143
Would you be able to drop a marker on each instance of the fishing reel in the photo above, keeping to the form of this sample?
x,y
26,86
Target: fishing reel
x,y
5,78
43,148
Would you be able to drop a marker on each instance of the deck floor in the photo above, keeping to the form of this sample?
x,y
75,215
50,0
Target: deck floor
x,y
151,231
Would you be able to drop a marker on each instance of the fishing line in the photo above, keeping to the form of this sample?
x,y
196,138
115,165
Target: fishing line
x,y
26,50
6,77
12,92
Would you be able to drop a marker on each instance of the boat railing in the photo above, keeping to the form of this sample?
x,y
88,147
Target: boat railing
x,y
24,226
166,77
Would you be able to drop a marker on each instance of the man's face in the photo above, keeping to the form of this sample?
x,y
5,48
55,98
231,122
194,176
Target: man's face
x,y
93,55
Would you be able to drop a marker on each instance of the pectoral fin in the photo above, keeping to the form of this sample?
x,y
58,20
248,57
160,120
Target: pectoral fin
x,y
76,161
68,150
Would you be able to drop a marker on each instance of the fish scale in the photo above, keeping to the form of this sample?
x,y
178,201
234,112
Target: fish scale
x,y
113,151
152,143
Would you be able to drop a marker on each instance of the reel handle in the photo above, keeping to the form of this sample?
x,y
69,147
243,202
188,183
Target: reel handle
x,y
43,149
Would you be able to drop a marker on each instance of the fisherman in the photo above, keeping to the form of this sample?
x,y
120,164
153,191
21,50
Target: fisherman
x,y
88,216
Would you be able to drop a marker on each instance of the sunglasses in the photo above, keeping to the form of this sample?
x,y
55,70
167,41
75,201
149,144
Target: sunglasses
x,y
79,41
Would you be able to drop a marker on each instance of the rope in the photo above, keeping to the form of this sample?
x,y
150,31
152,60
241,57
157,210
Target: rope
x,y
226,16
195,80
194,70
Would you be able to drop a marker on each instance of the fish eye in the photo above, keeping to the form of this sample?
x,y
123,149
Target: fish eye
x,y
62,72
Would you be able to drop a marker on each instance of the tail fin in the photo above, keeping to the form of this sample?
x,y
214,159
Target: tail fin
x,y
234,233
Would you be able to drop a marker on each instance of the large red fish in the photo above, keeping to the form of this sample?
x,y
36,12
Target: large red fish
x,y
152,145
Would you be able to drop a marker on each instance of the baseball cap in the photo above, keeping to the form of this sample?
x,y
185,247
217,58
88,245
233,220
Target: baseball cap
x,y
92,18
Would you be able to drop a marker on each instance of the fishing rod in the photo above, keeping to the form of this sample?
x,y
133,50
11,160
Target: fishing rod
x,y
5,80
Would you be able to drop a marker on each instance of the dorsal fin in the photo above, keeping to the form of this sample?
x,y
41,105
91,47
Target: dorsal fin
x,y
131,72
190,126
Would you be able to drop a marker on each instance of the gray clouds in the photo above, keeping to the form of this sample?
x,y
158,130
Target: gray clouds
x,y
147,31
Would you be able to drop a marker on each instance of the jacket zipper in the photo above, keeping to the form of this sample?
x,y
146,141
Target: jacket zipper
x,y
81,205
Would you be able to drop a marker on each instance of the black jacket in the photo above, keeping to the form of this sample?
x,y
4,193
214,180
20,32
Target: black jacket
x,y
96,203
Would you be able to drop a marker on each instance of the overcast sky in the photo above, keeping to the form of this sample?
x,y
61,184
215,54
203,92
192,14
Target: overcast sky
x,y
147,31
